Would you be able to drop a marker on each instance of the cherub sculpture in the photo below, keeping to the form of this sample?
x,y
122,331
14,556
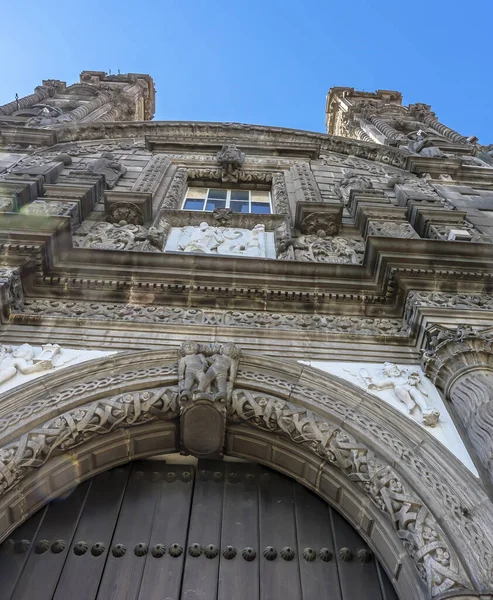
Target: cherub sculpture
x,y
20,360
408,389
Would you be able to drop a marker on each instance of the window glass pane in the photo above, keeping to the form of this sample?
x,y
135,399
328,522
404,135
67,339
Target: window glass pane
x,y
212,204
260,196
240,195
196,192
191,204
241,207
219,194
260,208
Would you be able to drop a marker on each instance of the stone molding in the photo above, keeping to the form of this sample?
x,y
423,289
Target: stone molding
x,y
407,474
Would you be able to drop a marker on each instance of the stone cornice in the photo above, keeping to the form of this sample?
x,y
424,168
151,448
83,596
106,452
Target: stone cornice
x,y
388,273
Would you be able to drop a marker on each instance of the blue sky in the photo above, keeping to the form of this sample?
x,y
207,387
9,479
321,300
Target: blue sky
x,y
269,62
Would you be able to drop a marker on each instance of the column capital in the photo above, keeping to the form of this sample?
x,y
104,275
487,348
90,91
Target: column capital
x,y
451,353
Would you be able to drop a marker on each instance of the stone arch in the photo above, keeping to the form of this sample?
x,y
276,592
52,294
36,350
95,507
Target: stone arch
x,y
415,504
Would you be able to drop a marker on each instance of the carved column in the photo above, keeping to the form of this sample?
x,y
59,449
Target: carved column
x,y
362,135
461,366
81,112
40,93
388,131
424,114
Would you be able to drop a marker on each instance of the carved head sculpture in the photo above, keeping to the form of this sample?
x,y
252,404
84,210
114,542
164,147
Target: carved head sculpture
x,y
24,351
231,350
188,348
391,370
414,376
203,226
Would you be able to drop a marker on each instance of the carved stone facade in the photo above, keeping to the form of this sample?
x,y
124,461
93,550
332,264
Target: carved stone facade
x,y
255,252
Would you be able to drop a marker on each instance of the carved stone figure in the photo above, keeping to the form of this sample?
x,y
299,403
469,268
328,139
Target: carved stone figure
x,y
191,368
408,389
204,239
221,372
231,160
207,239
47,115
423,146
20,360
109,167
352,181
207,369
10,281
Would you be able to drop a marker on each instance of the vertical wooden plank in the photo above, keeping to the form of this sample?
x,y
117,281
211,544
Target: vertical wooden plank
x,y
359,577
85,561
15,551
316,554
279,578
201,573
51,546
163,571
239,578
126,559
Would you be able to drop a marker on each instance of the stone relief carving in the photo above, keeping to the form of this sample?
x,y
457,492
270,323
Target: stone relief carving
x,y
110,236
315,248
128,212
448,300
232,318
456,232
421,535
176,190
112,169
47,115
352,181
152,175
207,239
407,387
303,175
81,424
423,146
394,229
321,224
41,207
231,160
207,369
22,360
353,163
11,284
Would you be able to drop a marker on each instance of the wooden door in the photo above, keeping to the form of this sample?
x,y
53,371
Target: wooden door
x,y
222,531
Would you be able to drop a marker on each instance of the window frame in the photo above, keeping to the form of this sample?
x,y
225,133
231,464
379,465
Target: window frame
x,y
228,199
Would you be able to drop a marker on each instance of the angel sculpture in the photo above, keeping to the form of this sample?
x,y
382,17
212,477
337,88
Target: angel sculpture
x,y
408,389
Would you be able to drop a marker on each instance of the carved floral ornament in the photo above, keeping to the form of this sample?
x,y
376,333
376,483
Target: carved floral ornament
x,y
145,387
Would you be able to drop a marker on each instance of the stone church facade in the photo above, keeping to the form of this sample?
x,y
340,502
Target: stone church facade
x,y
314,305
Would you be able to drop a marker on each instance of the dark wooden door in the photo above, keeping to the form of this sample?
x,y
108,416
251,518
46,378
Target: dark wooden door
x,y
222,531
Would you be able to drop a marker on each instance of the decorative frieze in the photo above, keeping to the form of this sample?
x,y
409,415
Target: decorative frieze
x,y
333,324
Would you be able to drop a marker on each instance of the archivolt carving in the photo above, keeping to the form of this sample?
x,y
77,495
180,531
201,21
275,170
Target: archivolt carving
x,y
422,537
94,407
79,425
